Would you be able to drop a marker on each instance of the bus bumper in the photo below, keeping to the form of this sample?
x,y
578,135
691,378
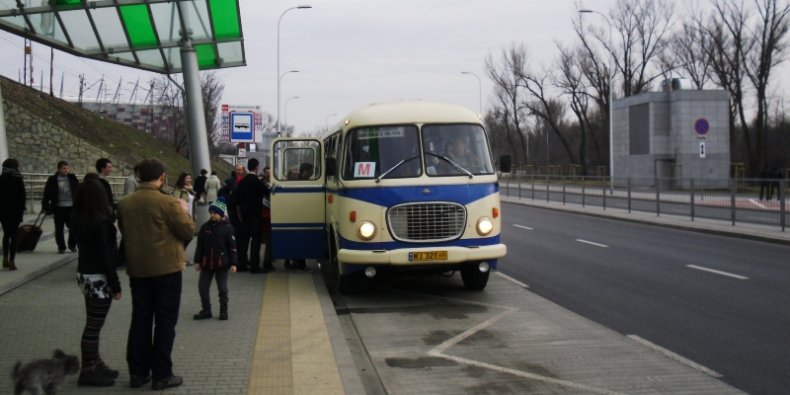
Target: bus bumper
x,y
401,257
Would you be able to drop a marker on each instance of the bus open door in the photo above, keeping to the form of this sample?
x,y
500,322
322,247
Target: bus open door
x,y
297,199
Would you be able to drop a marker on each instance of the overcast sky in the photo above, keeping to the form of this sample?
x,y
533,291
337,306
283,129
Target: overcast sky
x,y
351,53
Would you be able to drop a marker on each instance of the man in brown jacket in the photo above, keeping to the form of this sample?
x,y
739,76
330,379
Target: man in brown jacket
x,y
154,228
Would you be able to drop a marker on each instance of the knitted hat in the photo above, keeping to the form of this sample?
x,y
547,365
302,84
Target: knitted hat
x,y
218,207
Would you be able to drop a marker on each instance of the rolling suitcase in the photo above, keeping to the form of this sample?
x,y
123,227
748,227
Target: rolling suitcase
x,y
27,238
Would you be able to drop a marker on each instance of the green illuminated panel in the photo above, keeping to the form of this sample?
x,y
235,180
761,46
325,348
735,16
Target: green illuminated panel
x,y
207,56
138,25
225,18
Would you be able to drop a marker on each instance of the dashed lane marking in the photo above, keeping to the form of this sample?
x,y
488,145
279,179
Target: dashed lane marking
x,y
592,243
523,227
719,272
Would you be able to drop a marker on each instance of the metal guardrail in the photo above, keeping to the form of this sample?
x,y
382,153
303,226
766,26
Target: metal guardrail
x,y
743,200
34,187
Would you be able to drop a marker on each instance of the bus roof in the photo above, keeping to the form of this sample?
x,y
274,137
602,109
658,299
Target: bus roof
x,y
409,112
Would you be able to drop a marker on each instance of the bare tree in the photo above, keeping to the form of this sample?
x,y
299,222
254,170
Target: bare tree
x,y
212,89
687,53
506,80
643,27
572,82
169,103
743,47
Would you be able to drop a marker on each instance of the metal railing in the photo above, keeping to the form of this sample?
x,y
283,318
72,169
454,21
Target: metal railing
x,y
35,182
744,200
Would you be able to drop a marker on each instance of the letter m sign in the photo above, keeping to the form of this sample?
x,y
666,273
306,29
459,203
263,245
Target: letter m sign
x,y
364,169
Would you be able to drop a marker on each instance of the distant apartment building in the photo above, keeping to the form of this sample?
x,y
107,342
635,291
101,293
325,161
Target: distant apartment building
x,y
150,118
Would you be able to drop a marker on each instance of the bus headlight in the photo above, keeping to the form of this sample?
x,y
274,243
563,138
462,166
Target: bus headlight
x,y
484,226
366,230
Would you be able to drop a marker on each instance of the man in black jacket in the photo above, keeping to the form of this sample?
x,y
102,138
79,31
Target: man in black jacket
x,y
249,211
60,192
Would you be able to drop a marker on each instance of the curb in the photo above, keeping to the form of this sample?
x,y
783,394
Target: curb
x,y
8,287
665,221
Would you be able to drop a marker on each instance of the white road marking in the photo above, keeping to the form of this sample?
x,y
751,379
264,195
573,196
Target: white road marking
x,y
511,279
523,227
674,356
591,243
760,205
719,272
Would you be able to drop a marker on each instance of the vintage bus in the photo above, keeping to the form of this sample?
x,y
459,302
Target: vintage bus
x,y
393,186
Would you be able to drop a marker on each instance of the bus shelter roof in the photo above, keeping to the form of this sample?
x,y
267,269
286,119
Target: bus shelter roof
x,y
144,34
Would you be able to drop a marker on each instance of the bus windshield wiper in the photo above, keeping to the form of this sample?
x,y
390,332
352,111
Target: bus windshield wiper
x,y
397,165
450,161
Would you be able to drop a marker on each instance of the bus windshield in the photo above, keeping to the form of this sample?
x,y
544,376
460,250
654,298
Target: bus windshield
x,y
453,150
394,152
373,151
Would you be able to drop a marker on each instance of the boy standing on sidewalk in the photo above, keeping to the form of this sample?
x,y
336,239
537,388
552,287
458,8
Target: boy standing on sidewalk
x,y
215,255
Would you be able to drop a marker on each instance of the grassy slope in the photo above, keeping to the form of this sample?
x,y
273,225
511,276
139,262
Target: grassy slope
x,y
124,143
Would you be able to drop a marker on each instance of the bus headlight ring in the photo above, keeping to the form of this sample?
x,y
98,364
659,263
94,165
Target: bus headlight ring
x,y
366,230
484,226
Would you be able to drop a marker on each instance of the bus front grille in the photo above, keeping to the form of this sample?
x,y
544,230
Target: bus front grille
x,y
426,222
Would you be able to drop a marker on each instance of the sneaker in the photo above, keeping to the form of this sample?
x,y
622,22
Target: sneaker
x,y
102,368
202,315
139,381
61,250
73,249
170,382
92,377
223,316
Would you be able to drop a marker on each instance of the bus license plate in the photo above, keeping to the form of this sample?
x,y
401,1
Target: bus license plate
x,y
427,256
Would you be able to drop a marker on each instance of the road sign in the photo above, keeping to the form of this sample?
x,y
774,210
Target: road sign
x,y
242,127
242,152
702,149
701,126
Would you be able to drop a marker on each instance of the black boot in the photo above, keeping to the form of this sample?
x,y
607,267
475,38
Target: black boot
x,y
102,368
223,313
90,376
203,315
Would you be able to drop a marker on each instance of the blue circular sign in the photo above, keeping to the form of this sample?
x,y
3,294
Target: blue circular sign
x,y
701,126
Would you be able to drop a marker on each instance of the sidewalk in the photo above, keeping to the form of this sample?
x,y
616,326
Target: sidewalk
x,y
744,230
283,336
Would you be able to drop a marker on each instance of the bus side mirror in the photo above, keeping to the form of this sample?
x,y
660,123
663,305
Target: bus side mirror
x,y
504,164
331,167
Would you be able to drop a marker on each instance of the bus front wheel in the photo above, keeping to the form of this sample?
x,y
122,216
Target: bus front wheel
x,y
474,279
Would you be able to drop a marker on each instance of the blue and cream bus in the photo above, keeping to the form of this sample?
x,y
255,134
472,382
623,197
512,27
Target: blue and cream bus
x,y
394,186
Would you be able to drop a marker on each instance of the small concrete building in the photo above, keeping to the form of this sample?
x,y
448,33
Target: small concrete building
x,y
674,134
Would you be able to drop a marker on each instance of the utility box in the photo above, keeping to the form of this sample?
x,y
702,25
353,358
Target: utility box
x,y
674,134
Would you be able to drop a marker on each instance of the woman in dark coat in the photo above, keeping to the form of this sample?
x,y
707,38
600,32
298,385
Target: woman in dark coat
x,y
12,206
92,221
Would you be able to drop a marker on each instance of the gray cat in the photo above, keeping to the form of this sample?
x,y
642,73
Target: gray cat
x,y
44,376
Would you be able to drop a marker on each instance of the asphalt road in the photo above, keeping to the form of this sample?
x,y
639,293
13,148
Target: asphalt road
x,y
721,302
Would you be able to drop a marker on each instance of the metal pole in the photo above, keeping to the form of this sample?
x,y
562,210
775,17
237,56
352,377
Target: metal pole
x,y
658,197
198,141
782,208
629,194
278,60
3,140
563,190
692,199
732,200
479,92
584,195
604,195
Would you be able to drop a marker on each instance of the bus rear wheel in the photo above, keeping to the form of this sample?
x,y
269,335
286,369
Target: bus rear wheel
x,y
473,278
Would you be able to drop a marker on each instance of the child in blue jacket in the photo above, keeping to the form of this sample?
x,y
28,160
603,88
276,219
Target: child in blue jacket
x,y
215,255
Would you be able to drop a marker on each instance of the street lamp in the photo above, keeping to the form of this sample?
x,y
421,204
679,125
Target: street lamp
x,y
285,111
479,91
611,95
301,7
326,121
279,81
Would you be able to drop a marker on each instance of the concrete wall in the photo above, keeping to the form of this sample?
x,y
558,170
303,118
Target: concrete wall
x,y
39,145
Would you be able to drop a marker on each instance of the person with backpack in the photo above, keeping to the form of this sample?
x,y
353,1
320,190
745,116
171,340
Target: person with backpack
x,y
215,256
